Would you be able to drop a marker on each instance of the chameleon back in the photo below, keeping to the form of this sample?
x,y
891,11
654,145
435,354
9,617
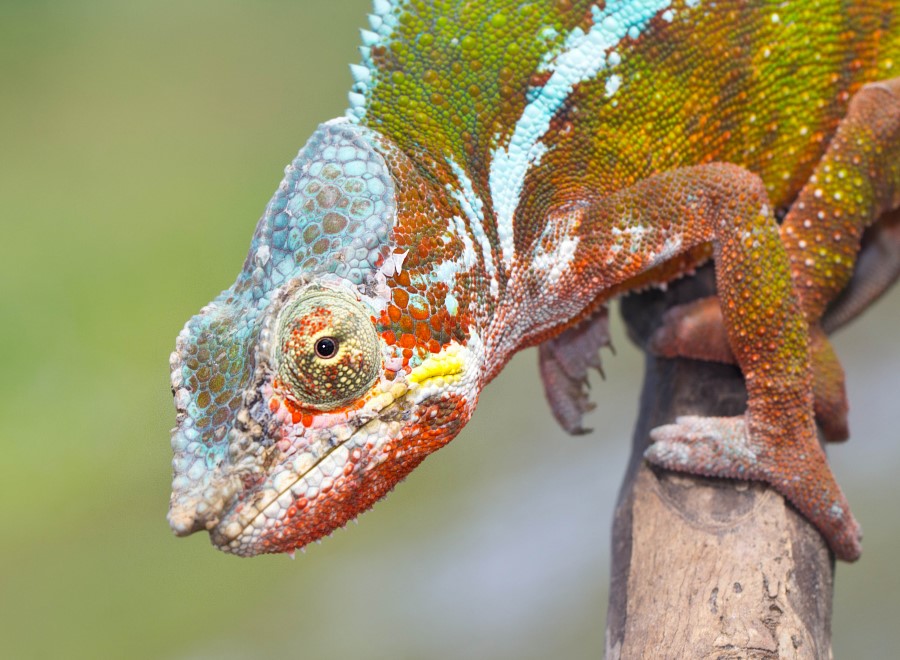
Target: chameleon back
x,y
538,101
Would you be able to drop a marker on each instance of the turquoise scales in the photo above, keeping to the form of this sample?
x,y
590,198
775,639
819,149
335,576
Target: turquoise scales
x,y
331,216
504,169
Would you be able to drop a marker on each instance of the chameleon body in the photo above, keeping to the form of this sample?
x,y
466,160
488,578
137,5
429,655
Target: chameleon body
x,y
505,169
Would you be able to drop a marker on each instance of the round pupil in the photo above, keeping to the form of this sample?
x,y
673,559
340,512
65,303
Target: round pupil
x,y
326,347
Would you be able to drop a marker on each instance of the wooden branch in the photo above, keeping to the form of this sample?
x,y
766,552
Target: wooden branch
x,y
707,568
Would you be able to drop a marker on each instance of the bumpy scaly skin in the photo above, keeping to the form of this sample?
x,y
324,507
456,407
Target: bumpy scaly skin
x,y
877,268
855,184
505,168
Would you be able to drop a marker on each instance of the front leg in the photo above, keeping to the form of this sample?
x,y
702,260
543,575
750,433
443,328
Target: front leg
x,y
775,441
855,184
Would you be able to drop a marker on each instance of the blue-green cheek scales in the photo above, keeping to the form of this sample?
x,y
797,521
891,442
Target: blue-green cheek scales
x,y
331,216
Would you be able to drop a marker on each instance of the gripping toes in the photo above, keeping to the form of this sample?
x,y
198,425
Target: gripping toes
x,y
710,446
723,447
565,362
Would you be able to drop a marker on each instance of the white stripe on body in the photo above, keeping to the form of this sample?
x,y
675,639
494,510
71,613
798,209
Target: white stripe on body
x,y
473,207
582,57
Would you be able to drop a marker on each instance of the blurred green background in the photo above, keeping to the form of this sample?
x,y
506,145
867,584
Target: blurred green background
x,y
139,143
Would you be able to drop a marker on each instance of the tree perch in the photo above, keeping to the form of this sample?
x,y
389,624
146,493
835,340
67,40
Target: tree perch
x,y
707,568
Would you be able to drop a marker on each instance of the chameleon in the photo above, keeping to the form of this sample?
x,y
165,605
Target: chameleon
x,y
504,170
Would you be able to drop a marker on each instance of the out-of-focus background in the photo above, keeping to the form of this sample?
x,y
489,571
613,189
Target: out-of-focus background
x,y
139,143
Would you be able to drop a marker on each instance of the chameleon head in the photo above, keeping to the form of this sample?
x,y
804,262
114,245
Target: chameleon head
x,y
330,369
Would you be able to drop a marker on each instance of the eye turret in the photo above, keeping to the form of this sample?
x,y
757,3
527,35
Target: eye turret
x,y
327,353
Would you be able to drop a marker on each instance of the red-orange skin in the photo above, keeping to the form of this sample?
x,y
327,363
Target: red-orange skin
x,y
363,484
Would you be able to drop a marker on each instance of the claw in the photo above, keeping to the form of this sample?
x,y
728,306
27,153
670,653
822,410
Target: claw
x,y
564,363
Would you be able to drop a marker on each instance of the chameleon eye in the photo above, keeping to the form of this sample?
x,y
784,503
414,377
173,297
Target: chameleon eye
x,y
326,348
328,353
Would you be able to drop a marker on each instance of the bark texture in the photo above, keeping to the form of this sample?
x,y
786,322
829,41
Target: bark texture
x,y
708,568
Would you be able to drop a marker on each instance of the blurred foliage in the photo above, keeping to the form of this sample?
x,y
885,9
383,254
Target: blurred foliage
x,y
139,141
